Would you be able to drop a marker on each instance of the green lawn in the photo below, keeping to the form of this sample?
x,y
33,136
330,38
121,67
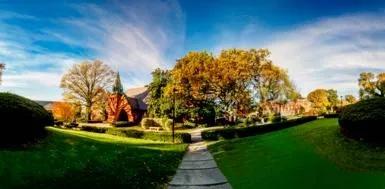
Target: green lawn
x,y
76,159
313,155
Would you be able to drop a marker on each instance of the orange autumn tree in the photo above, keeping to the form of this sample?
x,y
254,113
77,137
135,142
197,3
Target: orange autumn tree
x,y
63,111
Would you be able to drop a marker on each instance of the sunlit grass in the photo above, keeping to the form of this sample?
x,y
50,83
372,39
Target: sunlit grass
x,y
313,155
78,159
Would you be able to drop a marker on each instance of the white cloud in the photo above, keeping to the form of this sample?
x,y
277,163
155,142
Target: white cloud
x,y
132,37
26,79
330,53
325,53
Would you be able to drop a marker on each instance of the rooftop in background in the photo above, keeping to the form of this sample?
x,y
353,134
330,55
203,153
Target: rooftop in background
x,y
140,94
46,104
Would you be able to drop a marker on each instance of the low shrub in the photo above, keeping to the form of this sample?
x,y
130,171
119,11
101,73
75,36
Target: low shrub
x,y
149,135
95,129
164,123
364,120
71,125
94,121
229,133
58,123
146,123
189,125
22,120
121,124
335,115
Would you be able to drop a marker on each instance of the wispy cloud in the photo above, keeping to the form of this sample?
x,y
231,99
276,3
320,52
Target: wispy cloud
x,y
332,52
326,53
134,37
31,70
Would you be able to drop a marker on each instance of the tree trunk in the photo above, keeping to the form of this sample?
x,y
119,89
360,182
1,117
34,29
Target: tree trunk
x,y
89,111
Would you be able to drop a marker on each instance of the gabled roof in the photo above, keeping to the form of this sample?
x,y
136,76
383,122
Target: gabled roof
x,y
138,97
46,104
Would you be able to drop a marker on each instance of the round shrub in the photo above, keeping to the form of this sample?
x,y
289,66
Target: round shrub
x,y
149,122
22,120
364,120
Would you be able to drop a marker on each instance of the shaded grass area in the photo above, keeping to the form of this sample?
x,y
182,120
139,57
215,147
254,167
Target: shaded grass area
x,y
77,159
313,155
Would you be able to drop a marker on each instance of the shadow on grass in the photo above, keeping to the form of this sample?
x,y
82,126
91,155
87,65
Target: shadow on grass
x,y
347,153
67,160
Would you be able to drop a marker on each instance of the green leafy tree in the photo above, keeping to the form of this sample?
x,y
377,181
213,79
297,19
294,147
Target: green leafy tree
x,y
333,99
350,99
117,87
158,105
371,85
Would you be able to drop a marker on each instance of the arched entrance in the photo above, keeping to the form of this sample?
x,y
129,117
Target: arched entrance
x,y
122,116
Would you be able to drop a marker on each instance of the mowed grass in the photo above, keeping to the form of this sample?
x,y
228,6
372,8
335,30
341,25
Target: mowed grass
x,y
76,159
312,155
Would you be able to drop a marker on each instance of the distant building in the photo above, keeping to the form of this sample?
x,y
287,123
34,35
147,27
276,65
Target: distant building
x,y
295,107
46,104
129,106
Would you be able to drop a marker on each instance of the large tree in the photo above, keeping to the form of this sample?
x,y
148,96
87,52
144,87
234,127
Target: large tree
x,y
371,85
159,105
319,99
232,74
273,83
350,99
86,83
191,83
2,67
333,99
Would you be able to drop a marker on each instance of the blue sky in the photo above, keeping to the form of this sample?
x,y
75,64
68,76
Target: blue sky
x,y
322,44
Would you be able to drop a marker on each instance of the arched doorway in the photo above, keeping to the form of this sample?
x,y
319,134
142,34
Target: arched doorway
x,y
122,116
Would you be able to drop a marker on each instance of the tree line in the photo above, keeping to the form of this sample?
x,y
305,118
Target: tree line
x,y
205,87
229,85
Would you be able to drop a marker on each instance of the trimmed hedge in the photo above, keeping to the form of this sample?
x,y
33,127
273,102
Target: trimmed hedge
x,y
364,120
164,123
95,129
22,120
121,124
331,115
229,133
150,135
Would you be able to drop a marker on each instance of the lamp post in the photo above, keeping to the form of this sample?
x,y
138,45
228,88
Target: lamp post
x,y
342,101
173,115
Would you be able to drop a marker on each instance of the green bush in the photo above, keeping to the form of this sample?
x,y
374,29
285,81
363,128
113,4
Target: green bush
x,y
121,124
150,135
23,120
365,120
331,115
95,129
146,123
164,123
229,133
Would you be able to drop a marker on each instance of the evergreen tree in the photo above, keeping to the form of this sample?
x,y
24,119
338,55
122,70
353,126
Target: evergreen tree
x,y
118,87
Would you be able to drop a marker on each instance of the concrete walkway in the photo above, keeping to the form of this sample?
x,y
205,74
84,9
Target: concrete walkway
x,y
198,169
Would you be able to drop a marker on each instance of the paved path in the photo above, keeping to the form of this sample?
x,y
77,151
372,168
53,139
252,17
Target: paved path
x,y
198,169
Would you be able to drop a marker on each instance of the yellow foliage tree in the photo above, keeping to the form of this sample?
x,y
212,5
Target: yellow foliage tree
x,y
63,111
371,85
319,100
